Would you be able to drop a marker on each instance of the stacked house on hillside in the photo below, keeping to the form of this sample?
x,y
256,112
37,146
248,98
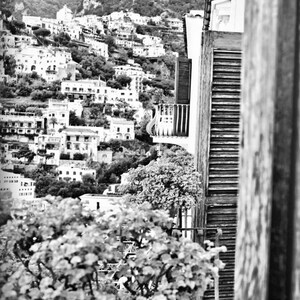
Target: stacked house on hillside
x,y
51,63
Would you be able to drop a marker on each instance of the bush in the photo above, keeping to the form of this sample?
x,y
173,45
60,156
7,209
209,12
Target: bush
x,y
65,252
6,91
41,95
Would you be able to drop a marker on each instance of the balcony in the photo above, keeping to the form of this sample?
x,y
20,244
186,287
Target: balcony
x,y
170,124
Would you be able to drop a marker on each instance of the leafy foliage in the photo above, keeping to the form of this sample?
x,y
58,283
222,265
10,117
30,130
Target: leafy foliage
x,y
165,184
63,252
9,64
91,65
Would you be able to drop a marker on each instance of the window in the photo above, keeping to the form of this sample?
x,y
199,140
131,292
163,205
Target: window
x,y
77,138
128,129
67,172
68,138
29,124
21,124
74,173
118,129
60,172
62,115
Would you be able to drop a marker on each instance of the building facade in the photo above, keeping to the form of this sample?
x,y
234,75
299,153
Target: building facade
x,y
19,186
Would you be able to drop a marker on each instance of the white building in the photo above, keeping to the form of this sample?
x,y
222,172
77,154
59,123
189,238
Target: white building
x,y
175,24
137,18
92,22
64,15
19,186
125,43
113,96
76,106
97,47
122,129
104,156
149,51
135,72
81,140
226,15
73,173
57,114
48,149
50,63
81,89
22,126
9,44
149,40
100,202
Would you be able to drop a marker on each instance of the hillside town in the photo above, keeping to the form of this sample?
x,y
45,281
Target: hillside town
x,y
70,130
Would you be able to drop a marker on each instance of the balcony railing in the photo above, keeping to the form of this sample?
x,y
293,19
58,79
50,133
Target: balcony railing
x,y
170,120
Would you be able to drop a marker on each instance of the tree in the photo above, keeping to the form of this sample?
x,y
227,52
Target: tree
x,y
74,120
25,152
114,84
111,43
64,251
146,100
141,132
62,39
124,80
42,32
165,185
53,121
9,65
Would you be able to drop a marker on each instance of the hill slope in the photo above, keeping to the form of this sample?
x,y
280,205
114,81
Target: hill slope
x,y
48,8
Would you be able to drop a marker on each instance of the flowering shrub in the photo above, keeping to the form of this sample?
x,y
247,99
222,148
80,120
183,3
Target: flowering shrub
x,y
66,252
165,185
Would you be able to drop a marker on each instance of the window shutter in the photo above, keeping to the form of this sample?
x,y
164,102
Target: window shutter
x,y
218,147
183,80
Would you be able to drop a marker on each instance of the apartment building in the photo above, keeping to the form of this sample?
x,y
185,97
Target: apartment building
x,y
149,51
22,126
80,140
73,173
10,43
16,184
57,114
149,40
81,89
113,96
104,156
97,47
50,63
137,18
175,24
92,22
48,149
122,129
135,72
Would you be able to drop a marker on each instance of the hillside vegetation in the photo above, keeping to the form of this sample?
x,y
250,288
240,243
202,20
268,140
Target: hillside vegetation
x,y
48,8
